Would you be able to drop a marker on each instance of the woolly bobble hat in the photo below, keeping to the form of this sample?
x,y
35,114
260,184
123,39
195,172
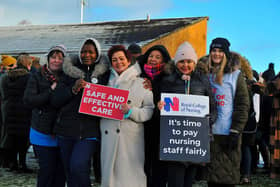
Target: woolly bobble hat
x,y
185,51
7,60
222,44
60,48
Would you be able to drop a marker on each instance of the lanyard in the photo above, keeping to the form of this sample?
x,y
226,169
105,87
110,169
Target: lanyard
x,y
187,80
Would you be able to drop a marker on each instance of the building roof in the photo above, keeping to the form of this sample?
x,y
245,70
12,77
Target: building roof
x,y
37,39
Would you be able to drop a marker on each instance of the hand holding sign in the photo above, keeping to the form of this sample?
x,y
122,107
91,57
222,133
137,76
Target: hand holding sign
x,y
160,105
104,101
79,84
184,129
125,108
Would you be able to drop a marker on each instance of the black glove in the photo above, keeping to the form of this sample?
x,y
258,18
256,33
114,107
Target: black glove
x,y
233,140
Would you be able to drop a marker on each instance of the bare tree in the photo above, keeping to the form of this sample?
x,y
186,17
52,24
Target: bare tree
x,y
24,22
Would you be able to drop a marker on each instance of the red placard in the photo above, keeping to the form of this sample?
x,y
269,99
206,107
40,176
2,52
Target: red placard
x,y
103,101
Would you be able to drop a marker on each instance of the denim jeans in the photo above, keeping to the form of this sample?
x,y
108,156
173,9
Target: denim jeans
x,y
76,155
246,161
51,172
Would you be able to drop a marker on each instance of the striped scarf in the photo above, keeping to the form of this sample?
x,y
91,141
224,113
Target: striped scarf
x,y
48,74
153,70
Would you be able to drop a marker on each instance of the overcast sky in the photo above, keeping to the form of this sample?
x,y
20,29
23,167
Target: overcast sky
x,y
252,26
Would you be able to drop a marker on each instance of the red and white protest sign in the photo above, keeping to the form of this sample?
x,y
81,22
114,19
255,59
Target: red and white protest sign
x,y
103,101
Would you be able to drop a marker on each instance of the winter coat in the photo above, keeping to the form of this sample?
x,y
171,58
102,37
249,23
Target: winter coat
x,y
250,129
199,85
16,115
224,167
70,122
122,150
38,95
151,127
274,136
268,75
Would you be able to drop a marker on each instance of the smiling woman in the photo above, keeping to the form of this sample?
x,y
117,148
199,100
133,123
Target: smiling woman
x,y
185,79
38,92
125,139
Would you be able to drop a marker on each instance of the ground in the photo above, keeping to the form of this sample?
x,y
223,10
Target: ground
x,y
12,179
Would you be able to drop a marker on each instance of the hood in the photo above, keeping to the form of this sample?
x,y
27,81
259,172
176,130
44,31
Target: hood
x,y
161,48
70,67
245,66
17,72
237,62
231,65
98,49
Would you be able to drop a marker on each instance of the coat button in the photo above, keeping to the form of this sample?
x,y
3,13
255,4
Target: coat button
x,y
128,102
118,130
106,132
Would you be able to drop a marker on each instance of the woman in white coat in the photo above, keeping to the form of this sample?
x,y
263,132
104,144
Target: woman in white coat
x,y
122,142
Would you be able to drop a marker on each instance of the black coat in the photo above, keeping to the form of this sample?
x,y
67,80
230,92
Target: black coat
x,y
152,126
70,122
16,115
37,95
199,85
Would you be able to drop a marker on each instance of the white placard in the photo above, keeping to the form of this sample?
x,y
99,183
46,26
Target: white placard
x,y
185,105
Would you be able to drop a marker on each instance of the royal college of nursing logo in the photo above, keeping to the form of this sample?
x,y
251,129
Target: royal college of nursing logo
x,y
171,104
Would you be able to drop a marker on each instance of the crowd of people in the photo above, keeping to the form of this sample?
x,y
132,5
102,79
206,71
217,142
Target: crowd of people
x,y
39,107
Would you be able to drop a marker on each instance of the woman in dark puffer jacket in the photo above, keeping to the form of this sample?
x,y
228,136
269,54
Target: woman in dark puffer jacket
x,y
38,94
182,174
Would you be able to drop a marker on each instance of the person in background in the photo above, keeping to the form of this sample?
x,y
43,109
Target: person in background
x,y
269,74
16,115
152,65
122,142
232,99
249,133
181,174
6,63
275,129
78,133
35,63
135,52
38,95
263,133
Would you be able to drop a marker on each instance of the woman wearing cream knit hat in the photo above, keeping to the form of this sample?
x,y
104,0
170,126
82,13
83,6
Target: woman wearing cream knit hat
x,y
185,79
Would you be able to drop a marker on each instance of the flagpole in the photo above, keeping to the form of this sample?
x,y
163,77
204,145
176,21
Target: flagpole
x,y
82,11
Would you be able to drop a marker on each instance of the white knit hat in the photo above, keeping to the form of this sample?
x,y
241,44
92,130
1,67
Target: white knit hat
x,y
185,51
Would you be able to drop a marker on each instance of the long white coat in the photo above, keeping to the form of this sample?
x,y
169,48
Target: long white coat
x,y
122,142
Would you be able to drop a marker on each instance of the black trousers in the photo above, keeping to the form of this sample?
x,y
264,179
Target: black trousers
x,y
180,175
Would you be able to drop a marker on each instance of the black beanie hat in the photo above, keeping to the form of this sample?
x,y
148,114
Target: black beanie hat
x,y
162,49
134,48
222,44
